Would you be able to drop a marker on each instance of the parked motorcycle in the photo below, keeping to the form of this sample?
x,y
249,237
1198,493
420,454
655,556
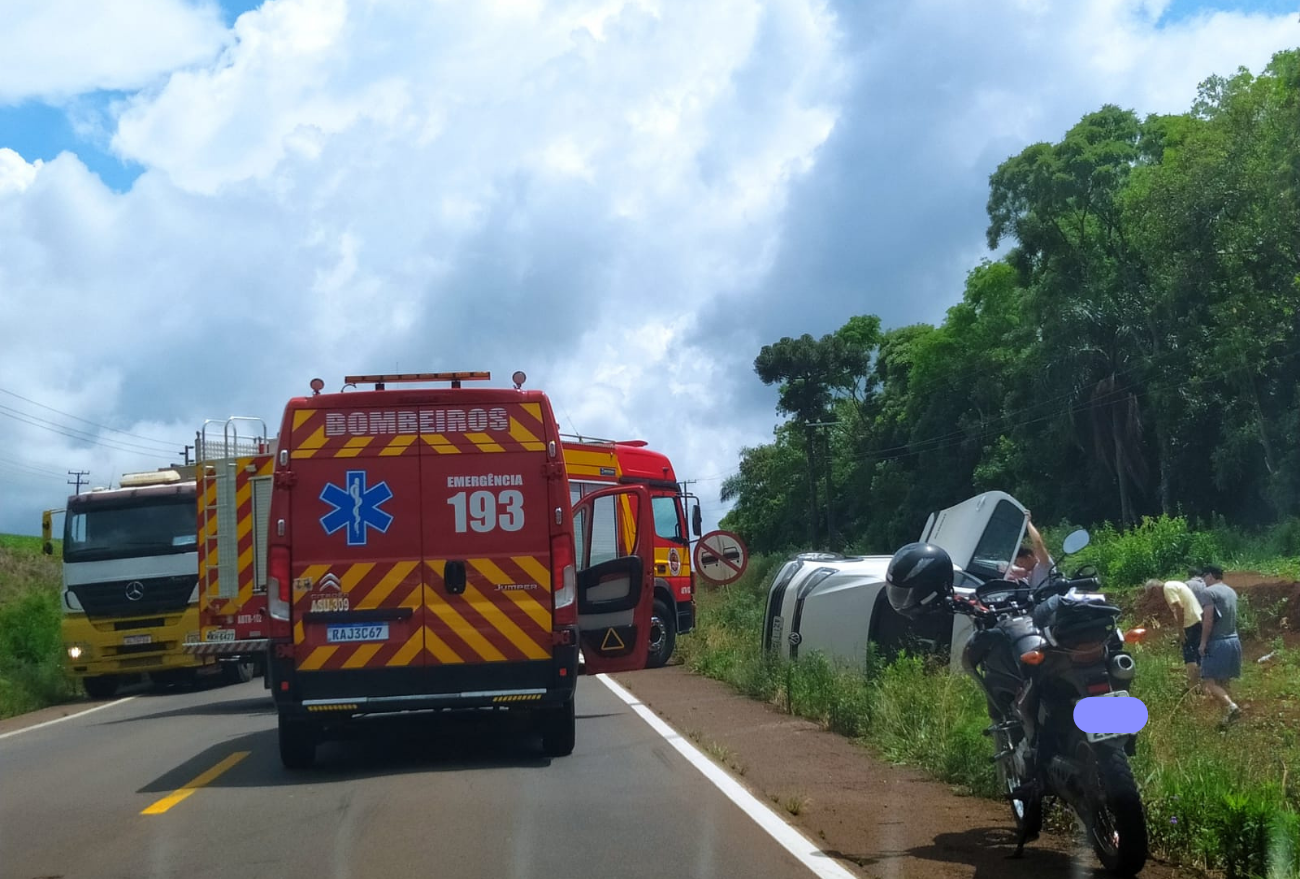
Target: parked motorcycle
x,y
1036,653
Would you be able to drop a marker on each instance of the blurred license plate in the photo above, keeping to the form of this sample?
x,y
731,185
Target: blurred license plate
x,y
138,639
1102,736
357,632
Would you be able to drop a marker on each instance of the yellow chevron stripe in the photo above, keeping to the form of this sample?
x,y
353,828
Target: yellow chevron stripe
x,y
353,447
440,650
440,444
364,654
504,624
245,525
243,494
522,599
297,632
463,629
245,560
410,650
484,442
384,587
399,445
533,409
535,569
300,417
318,657
315,441
522,434
353,575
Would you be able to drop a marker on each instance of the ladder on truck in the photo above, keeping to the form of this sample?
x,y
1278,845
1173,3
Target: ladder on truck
x,y
226,454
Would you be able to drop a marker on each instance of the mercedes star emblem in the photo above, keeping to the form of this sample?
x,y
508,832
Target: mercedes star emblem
x,y
135,590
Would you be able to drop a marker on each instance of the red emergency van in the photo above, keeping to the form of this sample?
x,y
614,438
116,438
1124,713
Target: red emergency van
x,y
423,553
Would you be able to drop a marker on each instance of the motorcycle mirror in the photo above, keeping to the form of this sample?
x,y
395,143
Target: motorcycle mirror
x,y
1075,541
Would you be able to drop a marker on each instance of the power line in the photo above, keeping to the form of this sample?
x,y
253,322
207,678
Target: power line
x,y
81,435
35,468
82,420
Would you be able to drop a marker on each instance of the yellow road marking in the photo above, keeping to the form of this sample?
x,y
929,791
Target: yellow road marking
x,y
191,786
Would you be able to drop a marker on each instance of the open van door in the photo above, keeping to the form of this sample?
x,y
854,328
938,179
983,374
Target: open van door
x,y
613,532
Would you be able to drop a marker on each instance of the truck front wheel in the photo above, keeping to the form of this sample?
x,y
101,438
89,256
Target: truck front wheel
x,y
297,743
100,687
663,634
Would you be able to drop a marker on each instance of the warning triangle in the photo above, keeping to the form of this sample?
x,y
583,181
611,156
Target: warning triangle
x,y
612,641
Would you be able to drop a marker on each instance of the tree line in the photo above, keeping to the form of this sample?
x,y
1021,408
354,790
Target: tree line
x,y
1136,351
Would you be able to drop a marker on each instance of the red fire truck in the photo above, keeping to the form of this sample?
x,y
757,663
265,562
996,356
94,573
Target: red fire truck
x,y
595,464
234,468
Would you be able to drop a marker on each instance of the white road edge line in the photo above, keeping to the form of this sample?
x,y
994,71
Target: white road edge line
x,y
789,837
67,717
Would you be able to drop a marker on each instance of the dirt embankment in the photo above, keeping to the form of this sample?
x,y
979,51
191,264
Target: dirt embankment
x,y
1275,603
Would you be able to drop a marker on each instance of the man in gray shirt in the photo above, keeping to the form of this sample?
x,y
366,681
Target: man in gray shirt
x,y
1220,646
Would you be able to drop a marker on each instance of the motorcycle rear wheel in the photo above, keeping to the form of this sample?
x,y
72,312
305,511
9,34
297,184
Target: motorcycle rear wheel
x,y
1117,829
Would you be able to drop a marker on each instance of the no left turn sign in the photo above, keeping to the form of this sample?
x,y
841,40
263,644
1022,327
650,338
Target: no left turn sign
x,y
721,557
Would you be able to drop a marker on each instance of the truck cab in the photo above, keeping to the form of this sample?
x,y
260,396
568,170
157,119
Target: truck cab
x,y
130,598
424,553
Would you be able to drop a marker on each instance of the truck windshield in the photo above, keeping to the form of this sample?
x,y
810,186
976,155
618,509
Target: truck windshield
x,y
141,528
668,522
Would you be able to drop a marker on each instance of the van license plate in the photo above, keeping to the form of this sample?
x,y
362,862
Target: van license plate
x,y
357,632
138,639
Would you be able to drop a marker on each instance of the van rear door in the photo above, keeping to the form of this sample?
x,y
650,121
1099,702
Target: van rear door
x,y
486,541
613,534
357,556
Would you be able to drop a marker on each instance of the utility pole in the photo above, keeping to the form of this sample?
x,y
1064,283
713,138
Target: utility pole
x,y
830,518
78,480
186,452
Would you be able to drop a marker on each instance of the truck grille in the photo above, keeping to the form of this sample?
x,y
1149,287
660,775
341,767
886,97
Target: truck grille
x,y
156,595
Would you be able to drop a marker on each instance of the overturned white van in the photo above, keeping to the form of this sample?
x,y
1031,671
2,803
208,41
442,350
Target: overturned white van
x,y
836,604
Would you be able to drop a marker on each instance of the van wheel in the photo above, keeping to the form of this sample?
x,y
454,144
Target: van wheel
x,y
297,744
663,634
559,729
237,672
100,687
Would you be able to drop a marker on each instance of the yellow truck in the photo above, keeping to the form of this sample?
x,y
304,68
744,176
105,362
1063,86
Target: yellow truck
x,y
130,581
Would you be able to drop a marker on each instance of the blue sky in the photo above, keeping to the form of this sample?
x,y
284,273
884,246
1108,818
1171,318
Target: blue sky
x,y
38,130
624,198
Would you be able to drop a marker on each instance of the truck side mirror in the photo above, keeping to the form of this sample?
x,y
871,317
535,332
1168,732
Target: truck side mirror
x,y
697,521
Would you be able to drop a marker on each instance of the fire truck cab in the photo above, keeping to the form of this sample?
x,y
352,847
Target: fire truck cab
x,y
423,553
595,464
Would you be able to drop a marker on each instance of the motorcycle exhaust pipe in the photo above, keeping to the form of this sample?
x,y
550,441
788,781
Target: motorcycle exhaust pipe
x,y
1122,667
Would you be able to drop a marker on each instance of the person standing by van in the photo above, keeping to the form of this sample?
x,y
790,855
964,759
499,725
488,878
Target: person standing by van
x,y
1220,646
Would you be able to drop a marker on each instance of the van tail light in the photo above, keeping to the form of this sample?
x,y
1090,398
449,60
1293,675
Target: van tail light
x,y
279,586
564,581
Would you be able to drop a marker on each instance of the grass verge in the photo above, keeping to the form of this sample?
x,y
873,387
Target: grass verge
x,y
1225,801
31,667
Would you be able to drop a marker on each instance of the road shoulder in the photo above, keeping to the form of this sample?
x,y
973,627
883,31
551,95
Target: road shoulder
x,y
880,819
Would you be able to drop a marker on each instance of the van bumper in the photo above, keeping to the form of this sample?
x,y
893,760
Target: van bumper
x,y
417,688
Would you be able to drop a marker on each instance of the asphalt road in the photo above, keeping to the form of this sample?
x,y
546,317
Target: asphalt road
x,y
97,796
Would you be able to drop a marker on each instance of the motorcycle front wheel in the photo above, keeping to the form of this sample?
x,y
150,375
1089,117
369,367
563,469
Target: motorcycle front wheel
x,y
1117,826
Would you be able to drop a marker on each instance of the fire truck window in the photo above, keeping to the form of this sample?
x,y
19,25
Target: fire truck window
x,y
604,531
668,523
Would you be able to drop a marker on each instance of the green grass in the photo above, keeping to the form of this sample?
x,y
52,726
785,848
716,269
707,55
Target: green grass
x,y
31,660
1218,800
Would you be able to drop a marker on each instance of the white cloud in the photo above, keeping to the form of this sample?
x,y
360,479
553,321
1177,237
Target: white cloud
x,y
53,49
624,198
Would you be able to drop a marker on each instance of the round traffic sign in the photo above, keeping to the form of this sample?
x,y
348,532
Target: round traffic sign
x,y
721,557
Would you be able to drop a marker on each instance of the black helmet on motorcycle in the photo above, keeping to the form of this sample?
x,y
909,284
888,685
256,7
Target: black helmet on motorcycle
x,y
918,576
